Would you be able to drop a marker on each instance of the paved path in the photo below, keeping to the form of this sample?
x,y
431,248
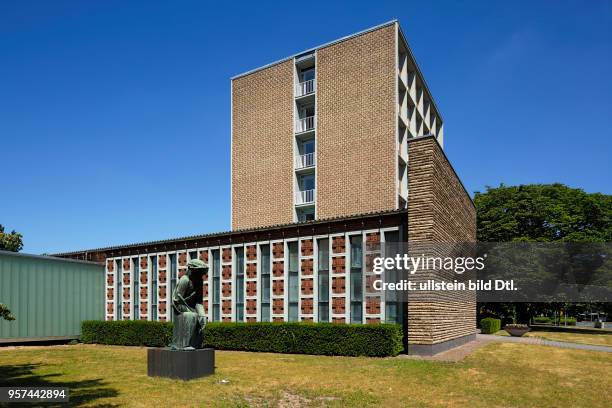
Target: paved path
x,y
543,342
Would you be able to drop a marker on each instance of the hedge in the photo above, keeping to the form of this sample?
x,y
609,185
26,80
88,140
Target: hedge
x,y
490,325
300,338
542,320
127,332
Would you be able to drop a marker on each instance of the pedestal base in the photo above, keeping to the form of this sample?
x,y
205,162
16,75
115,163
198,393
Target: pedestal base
x,y
184,365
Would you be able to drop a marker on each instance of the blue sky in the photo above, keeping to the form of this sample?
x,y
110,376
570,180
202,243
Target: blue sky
x,y
115,116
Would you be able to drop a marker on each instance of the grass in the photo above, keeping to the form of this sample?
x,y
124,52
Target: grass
x,y
594,339
500,374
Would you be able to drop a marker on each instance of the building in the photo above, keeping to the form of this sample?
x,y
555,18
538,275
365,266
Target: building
x,y
336,152
324,133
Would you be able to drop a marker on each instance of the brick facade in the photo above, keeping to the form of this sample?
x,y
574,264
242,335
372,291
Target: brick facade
x,y
439,211
356,125
262,147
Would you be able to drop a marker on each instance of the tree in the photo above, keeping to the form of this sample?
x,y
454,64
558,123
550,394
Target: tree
x,y
541,213
10,242
5,313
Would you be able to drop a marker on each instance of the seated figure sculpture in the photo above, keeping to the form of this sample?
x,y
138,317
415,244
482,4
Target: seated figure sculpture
x,y
188,311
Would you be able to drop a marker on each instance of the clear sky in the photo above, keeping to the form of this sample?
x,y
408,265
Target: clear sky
x,y
115,115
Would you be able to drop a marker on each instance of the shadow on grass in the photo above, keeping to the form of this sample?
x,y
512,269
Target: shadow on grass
x,y
81,392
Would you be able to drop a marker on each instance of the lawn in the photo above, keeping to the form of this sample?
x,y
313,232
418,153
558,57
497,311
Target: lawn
x,y
586,338
509,375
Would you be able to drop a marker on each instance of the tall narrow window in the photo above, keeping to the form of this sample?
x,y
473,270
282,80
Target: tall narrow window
x,y
356,279
153,293
323,281
294,285
135,289
172,282
239,284
265,283
393,309
118,296
216,292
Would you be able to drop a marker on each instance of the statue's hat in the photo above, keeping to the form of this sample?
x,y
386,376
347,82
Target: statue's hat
x,y
197,264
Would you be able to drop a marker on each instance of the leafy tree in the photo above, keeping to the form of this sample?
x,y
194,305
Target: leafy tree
x,y
10,242
544,213
541,213
5,313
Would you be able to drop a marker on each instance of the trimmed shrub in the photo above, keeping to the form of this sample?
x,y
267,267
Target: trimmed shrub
x,y
569,320
127,332
307,338
300,338
542,320
489,325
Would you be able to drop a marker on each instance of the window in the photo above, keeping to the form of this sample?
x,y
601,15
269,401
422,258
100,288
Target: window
x,y
393,310
216,289
305,214
135,289
323,279
307,182
356,279
118,297
308,146
193,255
294,284
307,74
239,267
153,293
172,282
265,283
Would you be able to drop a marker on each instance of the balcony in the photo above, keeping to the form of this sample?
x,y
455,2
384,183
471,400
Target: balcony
x,y
305,88
305,124
304,161
305,197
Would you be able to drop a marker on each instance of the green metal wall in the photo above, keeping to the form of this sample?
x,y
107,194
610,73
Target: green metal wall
x,y
48,296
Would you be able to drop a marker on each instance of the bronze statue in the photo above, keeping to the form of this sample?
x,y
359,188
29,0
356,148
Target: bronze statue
x,y
188,311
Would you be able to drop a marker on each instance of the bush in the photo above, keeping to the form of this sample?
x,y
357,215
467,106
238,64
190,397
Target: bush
x,y
310,338
127,332
542,320
300,338
570,321
489,325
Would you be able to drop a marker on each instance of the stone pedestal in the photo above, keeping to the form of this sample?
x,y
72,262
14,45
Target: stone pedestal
x,y
184,365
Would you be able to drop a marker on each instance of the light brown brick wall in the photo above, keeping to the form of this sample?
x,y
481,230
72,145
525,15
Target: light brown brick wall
x,y
262,147
439,211
356,156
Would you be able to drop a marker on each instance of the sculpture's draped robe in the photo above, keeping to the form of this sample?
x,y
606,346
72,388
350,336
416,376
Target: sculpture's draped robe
x,y
189,316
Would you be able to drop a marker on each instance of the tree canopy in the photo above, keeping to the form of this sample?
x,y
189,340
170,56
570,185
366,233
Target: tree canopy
x,y
10,242
543,212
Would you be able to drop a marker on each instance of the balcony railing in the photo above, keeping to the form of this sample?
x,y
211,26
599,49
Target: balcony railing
x,y
305,124
303,161
305,88
305,197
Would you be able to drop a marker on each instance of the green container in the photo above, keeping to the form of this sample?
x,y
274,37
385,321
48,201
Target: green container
x,y
48,296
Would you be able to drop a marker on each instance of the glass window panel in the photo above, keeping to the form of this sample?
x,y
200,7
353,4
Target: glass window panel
x,y
265,312
323,254
356,251
293,312
135,289
356,312
265,284
293,256
356,285
324,312
294,287
265,259
323,286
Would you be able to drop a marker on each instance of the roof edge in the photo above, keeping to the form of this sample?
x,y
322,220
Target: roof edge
x,y
367,30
